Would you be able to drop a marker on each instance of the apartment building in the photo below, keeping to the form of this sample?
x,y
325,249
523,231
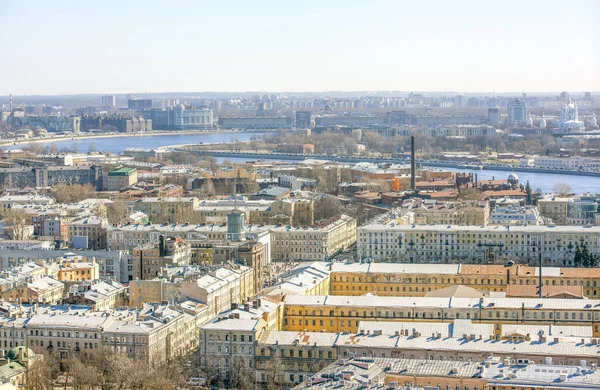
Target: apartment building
x,y
580,210
72,268
220,288
343,314
158,334
46,289
297,212
515,215
491,373
316,243
128,236
305,279
226,343
434,212
88,233
9,201
554,245
121,178
100,294
385,279
48,176
168,210
284,242
217,290
148,260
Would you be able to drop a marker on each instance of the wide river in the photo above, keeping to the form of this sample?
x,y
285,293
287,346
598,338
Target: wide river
x,y
543,181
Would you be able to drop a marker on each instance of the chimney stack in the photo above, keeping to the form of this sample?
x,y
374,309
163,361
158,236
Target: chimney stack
x,y
413,166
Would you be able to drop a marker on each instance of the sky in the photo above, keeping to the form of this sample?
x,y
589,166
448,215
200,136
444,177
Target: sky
x,y
73,47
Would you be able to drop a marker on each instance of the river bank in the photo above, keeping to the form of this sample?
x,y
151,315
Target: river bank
x,y
85,136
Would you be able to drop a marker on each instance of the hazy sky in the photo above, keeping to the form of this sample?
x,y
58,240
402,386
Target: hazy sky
x,y
64,47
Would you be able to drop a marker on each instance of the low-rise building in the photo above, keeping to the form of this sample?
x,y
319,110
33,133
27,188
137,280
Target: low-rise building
x,y
120,178
102,295
46,289
304,279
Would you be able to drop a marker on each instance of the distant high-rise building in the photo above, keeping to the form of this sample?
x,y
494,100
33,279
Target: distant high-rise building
x,y
107,101
517,112
304,120
493,116
139,104
181,117
398,117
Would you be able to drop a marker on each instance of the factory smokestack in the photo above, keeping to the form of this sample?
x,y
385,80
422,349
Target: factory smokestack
x,y
413,166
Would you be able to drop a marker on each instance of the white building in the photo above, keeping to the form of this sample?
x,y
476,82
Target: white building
x,y
517,112
570,163
569,118
511,215
391,242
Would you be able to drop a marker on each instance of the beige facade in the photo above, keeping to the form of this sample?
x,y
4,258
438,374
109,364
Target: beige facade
x,y
153,334
446,213
315,243
389,242
120,178
220,288
168,210
46,289
555,209
94,228
227,342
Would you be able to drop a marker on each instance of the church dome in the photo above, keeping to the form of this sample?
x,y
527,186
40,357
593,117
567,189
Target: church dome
x,y
513,177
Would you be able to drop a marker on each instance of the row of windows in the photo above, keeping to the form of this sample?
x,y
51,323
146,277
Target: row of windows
x,y
487,313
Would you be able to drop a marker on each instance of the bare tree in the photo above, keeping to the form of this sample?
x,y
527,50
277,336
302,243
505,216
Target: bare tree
x,y
81,375
562,189
207,188
41,374
470,194
16,220
327,207
72,193
241,374
34,147
117,212
275,373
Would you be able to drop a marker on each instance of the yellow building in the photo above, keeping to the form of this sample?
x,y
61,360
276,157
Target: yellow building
x,y
343,313
397,279
73,269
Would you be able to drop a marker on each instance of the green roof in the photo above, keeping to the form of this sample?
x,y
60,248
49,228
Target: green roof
x,y
122,172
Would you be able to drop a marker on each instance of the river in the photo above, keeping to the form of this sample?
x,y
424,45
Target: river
x,y
543,181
